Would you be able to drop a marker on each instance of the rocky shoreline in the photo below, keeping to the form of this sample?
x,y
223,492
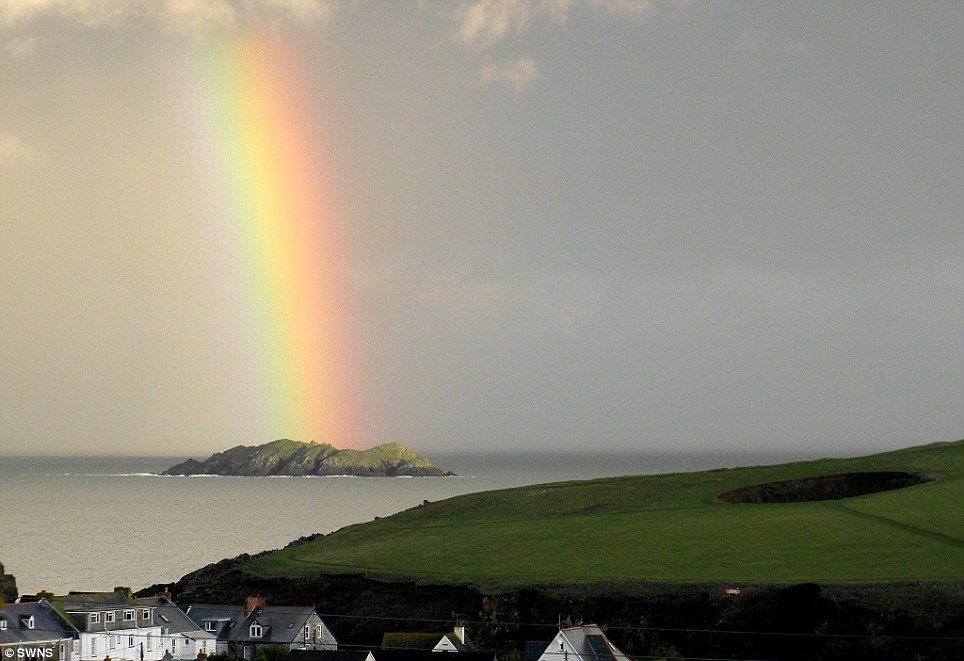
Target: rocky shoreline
x,y
285,457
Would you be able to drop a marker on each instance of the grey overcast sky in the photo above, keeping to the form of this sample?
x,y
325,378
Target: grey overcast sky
x,y
593,224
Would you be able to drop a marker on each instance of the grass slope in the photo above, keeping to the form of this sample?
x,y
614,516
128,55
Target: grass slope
x,y
664,527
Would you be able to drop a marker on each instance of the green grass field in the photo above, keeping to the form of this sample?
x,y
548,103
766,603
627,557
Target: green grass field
x,y
664,527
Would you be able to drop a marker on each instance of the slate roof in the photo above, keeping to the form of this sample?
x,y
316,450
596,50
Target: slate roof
x,y
282,624
168,616
45,625
84,602
226,618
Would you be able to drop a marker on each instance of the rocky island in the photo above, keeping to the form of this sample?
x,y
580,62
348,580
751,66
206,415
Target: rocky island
x,y
294,458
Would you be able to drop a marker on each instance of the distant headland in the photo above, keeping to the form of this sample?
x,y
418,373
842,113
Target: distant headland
x,y
294,458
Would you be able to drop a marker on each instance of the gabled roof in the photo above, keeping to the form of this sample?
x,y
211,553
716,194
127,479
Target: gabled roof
x,y
45,625
282,624
168,616
226,618
589,643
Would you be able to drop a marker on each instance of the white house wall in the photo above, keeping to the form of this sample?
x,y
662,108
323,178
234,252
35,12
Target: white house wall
x,y
95,646
560,650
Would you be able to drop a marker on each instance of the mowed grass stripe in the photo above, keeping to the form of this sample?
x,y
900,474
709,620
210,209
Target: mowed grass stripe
x,y
666,527
921,508
771,543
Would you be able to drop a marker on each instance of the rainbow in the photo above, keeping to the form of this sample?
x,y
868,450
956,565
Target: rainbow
x,y
277,195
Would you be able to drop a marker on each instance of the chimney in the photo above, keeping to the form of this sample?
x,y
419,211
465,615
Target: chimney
x,y
251,603
459,630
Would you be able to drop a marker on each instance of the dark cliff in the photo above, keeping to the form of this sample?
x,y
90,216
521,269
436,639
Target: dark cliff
x,y
660,620
8,585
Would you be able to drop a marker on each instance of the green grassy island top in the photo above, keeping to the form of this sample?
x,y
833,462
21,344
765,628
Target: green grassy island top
x,y
287,457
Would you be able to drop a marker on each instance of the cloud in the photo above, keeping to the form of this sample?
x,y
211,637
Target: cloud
x,y
642,8
751,40
483,23
13,151
798,48
486,22
187,16
21,47
457,290
514,75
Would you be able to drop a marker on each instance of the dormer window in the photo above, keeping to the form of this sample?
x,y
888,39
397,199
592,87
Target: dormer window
x,y
146,614
256,630
3,625
95,618
210,626
27,622
109,617
129,616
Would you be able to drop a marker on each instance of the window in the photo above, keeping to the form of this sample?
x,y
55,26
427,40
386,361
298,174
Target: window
x,y
129,616
29,622
3,625
146,614
113,642
307,633
110,617
63,650
148,642
256,630
163,617
130,641
210,626
93,647
173,645
95,618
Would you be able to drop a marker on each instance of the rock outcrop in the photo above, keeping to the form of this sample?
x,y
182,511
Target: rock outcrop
x,y
293,458
8,586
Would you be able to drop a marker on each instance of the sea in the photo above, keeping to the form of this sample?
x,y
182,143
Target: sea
x,y
93,523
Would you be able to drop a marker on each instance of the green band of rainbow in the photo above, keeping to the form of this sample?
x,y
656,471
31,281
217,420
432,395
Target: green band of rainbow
x,y
277,195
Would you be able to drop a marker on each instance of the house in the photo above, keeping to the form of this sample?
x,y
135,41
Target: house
x,y
453,641
110,624
32,631
181,637
586,643
241,630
